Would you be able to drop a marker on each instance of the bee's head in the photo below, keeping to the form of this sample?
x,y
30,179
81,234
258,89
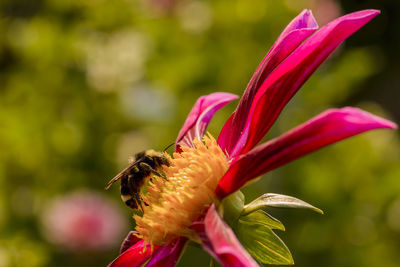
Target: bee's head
x,y
158,158
162,159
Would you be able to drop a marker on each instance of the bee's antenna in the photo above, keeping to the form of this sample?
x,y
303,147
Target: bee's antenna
x,y
169,146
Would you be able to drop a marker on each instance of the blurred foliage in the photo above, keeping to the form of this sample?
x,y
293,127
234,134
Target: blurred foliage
x,y
86,84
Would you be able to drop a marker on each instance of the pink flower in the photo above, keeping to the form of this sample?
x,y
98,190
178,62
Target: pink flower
x,y
83,221
297,53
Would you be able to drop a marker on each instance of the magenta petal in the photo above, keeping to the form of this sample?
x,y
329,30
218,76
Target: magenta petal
x,y
220,241
168,255
290,75
330,126
200,116
134,256
295,33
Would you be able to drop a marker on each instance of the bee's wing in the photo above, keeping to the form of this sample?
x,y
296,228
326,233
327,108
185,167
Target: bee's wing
x,y
121,174
113,180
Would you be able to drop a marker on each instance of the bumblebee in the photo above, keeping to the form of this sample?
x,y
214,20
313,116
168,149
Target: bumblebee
x,y
133,177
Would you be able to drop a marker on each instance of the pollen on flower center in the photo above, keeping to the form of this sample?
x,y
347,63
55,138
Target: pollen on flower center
x,y
174,203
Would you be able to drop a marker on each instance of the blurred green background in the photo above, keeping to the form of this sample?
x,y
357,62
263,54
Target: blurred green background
x,y
84,84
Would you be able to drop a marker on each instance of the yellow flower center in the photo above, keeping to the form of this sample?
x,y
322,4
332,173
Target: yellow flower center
x,y
174,203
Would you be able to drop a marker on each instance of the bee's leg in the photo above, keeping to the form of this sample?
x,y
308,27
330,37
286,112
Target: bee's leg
x,y
139,201
147,167
163,176
142,201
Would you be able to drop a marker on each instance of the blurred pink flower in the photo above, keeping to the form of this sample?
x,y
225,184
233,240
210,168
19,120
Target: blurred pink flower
x,y
297,53
83,221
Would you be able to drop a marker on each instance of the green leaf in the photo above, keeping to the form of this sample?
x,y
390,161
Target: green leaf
x,y
263,244
261,217
277,201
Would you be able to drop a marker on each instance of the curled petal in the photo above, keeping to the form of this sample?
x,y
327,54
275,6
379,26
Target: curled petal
x,y
200,116
294,34
140,253
280,86
134,256
220,241
168,255
130,240
327,128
